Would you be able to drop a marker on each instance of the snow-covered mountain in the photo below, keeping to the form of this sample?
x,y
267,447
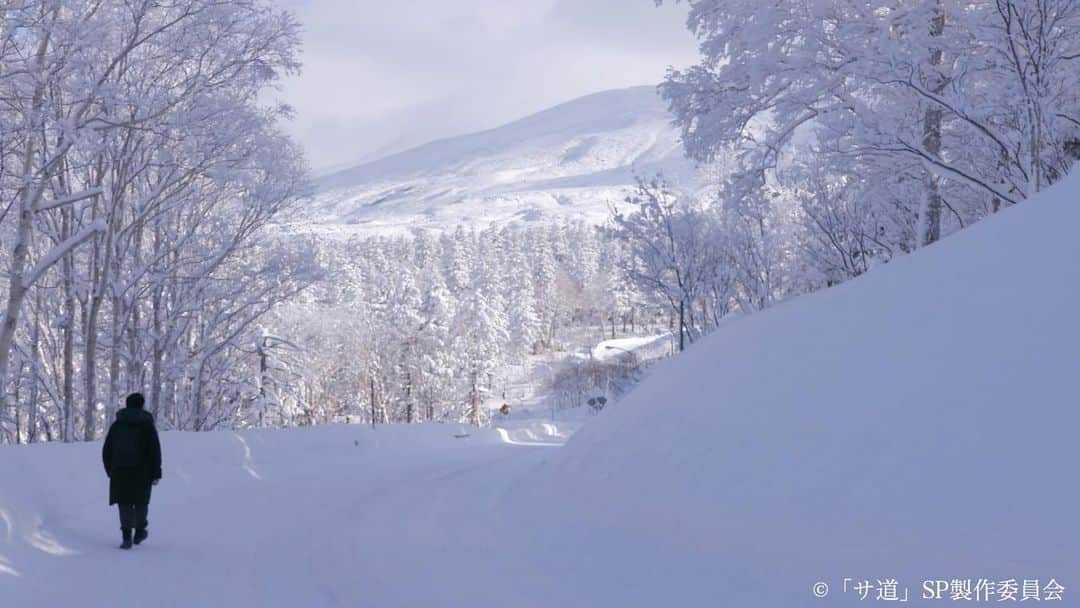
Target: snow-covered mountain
x,y
571,161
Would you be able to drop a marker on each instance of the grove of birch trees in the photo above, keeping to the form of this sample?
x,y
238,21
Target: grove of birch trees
x,y
139,169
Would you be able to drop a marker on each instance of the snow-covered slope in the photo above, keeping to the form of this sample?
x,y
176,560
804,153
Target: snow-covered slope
x,y
572,160
918,423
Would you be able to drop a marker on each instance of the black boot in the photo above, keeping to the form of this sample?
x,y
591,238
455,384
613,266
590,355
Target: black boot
x,y
127,538
141,523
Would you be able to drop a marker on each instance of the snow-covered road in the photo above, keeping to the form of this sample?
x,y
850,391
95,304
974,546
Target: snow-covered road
x,y
335,516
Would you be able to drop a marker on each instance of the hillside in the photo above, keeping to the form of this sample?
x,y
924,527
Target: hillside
x,y
570,161
916,423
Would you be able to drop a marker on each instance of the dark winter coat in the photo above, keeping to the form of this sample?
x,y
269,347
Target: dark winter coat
x,y
132,457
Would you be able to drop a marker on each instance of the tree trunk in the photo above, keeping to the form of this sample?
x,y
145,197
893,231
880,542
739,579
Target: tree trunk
x,y
17,413
90,373
134,368
21,251
264,368
100,274
682,326
68,431
114,358
35,349
196,397
90,330
157,354
372,386
474,401
158,346
930,220
408,398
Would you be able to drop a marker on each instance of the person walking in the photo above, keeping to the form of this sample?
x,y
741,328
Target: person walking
x,y
132,458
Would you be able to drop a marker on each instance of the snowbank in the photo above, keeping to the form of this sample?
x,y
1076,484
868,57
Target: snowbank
x,y
917,423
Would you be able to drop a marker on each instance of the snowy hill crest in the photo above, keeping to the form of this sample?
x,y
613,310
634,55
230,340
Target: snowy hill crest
x,y
572,161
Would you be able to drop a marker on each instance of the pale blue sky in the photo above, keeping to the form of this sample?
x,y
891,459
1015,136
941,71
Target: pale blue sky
x,y
382,76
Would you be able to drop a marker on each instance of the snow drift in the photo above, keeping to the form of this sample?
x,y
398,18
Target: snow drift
x,y
917,423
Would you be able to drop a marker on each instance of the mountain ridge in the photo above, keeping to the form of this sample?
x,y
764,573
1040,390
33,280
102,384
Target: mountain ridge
x,y
571,161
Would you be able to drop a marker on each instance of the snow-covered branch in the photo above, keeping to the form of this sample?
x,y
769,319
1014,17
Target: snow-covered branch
x,y
53,256
67,200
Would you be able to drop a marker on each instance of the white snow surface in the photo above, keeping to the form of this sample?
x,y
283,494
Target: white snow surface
x,y
917,423
572,161
644,348
332,516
